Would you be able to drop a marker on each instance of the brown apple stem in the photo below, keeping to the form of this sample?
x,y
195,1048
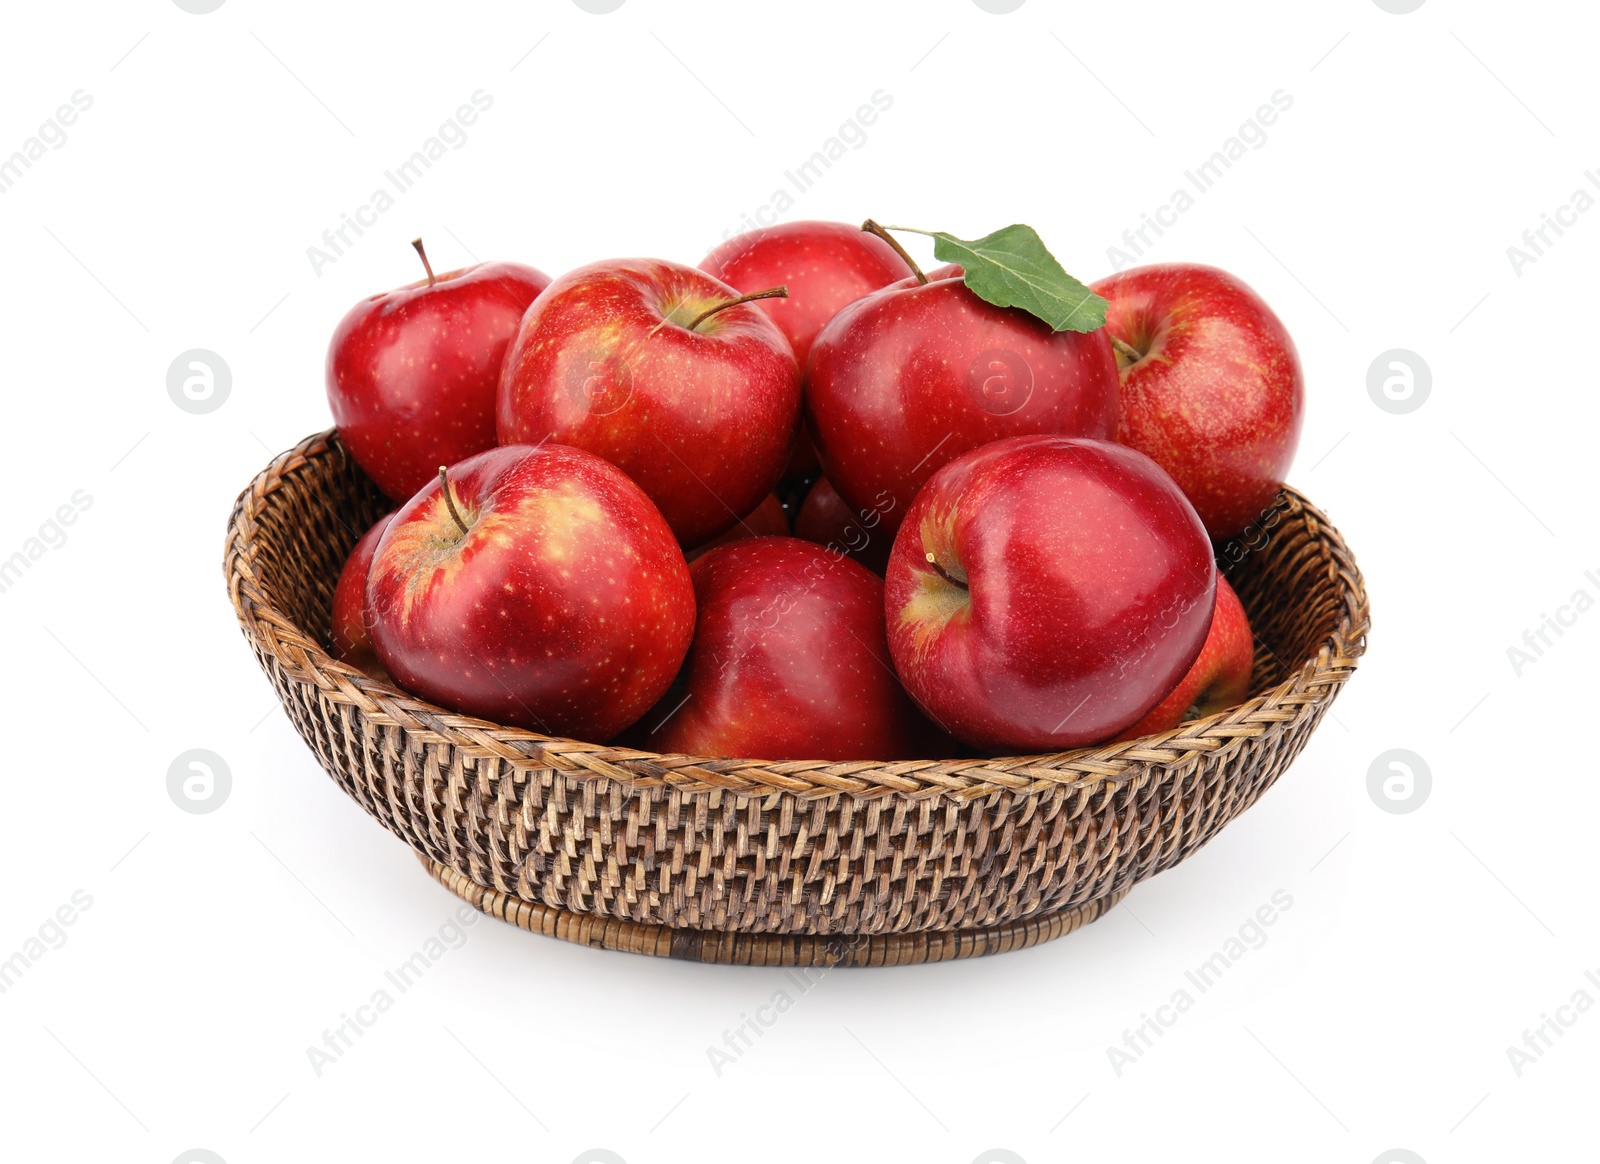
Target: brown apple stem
x,y
449,500
426,266
1126,350
945,574
872,227
769,293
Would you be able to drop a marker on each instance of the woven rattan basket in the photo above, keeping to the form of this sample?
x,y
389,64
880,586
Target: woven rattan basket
x,y
743,861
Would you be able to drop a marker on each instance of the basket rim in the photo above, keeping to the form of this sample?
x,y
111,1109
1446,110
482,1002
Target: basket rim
x,y
305,659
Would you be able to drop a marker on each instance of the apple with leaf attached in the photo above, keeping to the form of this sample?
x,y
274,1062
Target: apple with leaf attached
x,y
910,377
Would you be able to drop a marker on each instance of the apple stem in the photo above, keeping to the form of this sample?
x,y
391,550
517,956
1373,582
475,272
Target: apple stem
x,y
1126,350
769,293
450,501
945,574
426,266
872,227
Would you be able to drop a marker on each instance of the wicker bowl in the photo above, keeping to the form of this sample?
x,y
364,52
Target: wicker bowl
x,y
750,862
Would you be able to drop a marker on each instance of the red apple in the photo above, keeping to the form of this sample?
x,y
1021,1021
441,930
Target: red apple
x,y
658,368
1216,396
789,662
351,642
412,373
827,519
1220,677
910,377
1045,592
765,520
543,591
825,265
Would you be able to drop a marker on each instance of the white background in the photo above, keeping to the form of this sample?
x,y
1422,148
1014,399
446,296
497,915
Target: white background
x,y
1377,1014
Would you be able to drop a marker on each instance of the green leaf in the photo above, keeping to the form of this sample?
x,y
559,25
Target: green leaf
x,y
1012,268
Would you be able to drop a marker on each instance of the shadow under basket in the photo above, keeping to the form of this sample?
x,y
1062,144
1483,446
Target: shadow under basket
x,y
798,863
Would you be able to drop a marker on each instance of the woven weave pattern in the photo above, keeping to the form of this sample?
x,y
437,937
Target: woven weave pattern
x,y
804,848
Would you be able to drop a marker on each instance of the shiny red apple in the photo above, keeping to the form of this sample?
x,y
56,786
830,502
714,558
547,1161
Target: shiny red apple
x,y
543,590
908,378
412,373
825,265
827,519
766,520
1215,396
1220,677
789,663
351,642
1046,592
658,368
